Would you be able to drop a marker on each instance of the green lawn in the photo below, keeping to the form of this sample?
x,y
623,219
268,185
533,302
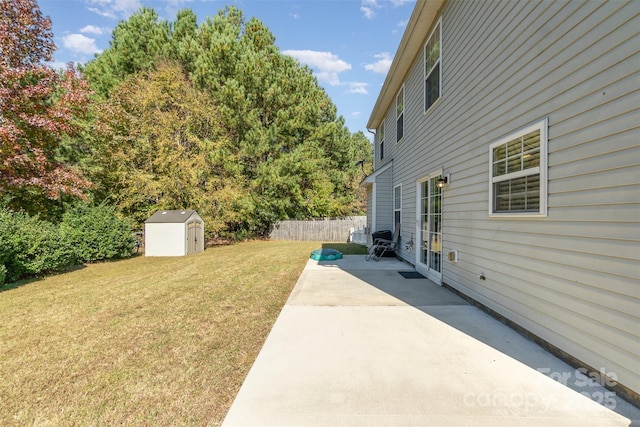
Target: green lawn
x,y
143,341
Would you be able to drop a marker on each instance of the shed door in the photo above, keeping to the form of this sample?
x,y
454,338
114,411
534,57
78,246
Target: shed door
x,y
193,233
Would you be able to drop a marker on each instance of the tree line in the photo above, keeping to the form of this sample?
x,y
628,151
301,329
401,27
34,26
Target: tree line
x,y
172,115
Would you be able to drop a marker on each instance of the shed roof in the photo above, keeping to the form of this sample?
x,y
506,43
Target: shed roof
x,y
176,216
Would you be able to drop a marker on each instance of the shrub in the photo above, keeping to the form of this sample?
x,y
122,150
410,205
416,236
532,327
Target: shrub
x,y
97,233
6,224
3,274
30,246
6,251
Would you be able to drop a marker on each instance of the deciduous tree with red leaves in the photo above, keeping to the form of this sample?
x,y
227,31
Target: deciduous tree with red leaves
x,y
38,105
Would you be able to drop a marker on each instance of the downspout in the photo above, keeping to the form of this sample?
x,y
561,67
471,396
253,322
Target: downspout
x,y
373,186
372,132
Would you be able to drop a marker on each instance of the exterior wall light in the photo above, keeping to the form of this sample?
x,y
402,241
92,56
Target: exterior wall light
x,y
444,181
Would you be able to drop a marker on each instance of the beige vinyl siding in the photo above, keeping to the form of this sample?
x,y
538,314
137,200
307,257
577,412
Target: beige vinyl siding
x,y
572,277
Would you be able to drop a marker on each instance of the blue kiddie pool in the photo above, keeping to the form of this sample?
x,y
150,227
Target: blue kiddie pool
x,y
326,255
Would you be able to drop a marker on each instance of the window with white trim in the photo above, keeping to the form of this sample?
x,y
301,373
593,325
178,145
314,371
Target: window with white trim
x,y
397,205
518,170
432,67
381,139
400,114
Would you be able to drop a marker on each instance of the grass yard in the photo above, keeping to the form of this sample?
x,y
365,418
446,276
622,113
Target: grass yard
x,y
143,341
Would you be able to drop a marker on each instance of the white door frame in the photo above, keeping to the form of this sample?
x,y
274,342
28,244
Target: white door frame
x,y
433,274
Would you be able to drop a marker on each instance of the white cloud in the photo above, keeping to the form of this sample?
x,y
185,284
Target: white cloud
x,y
398,3
367,7
367,12
57,65
114,8
80,44
382,65
401,25
294,13
91,29
326,64
325,61
358,87
331,79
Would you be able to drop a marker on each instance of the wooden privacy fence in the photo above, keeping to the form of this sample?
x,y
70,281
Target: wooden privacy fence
x,y
349,229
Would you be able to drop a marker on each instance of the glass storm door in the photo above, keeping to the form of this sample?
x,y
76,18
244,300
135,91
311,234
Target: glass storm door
x,y
429,228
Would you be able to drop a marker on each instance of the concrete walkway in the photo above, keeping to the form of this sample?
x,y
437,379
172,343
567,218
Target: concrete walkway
x,y
357,344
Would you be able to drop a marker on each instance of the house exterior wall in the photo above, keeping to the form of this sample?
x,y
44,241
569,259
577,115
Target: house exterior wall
x,y
369,193
165,239
570,277
384,211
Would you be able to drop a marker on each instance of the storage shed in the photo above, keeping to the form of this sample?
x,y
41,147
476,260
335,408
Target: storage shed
x,y
173,233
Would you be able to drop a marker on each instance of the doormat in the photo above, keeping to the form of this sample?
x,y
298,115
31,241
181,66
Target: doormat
x,y
411,275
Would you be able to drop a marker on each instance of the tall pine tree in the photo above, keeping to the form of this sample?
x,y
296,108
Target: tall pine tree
x,y
291,155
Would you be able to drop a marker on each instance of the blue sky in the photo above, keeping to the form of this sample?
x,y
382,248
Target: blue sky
x,y
348,43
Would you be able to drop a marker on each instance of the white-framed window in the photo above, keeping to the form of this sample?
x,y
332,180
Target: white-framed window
x,y
518,172
381,139
400,114
433,67
397,205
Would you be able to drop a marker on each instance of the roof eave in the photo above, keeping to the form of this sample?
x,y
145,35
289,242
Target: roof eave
x,y
422,19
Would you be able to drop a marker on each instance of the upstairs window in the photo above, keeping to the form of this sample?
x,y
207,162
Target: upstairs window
x,y
518,165
400,114
432,67
381,139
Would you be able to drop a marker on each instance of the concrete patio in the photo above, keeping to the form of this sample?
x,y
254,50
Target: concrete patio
x,y
357,344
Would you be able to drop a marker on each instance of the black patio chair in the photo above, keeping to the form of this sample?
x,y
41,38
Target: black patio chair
x,y
382,246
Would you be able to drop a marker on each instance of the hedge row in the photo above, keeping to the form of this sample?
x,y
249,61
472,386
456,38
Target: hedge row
x,y
30,246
